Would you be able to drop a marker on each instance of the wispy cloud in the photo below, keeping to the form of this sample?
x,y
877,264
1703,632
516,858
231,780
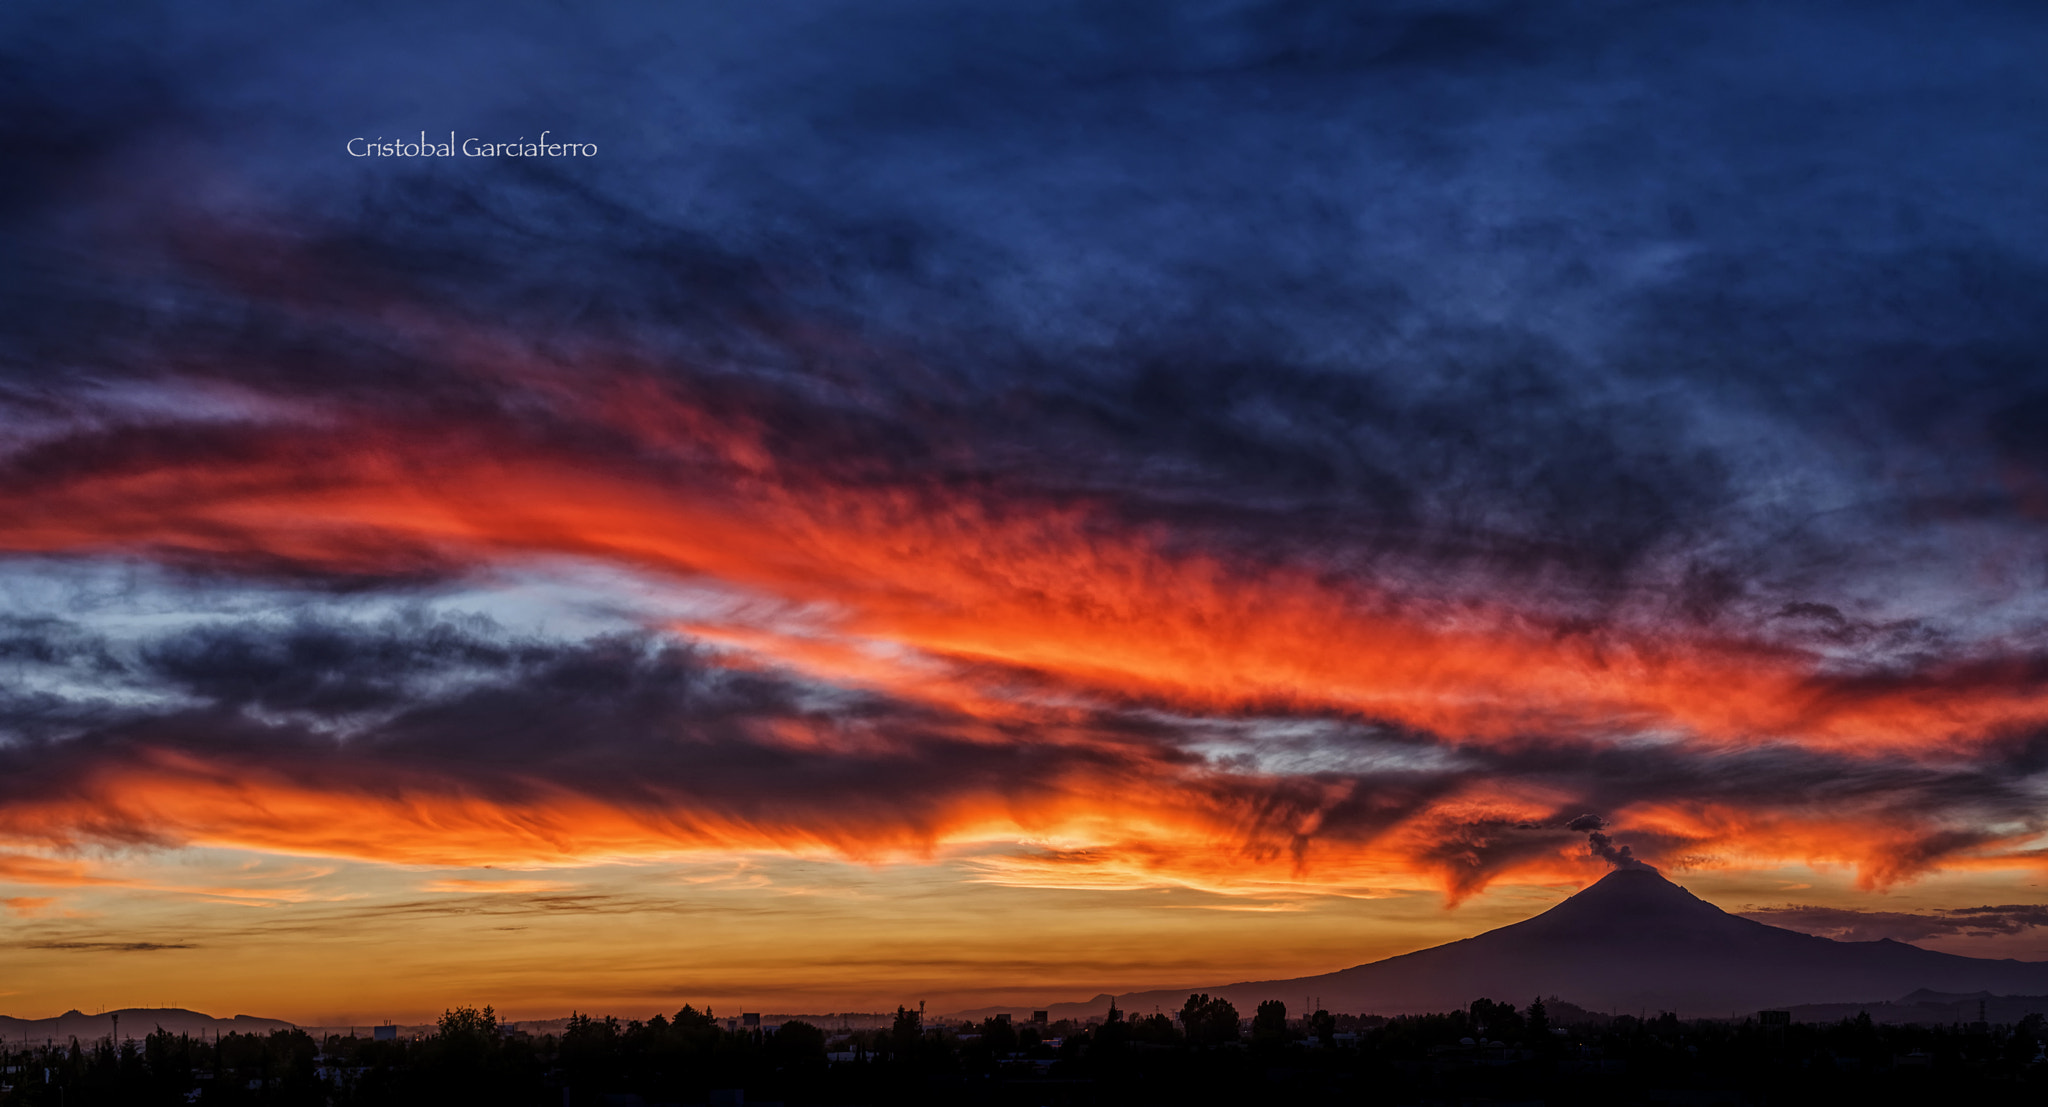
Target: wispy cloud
x,y
107,947
495,887
1855,925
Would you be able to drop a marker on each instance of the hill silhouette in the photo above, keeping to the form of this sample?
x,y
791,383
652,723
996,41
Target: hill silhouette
x,y
136,1022
1632,941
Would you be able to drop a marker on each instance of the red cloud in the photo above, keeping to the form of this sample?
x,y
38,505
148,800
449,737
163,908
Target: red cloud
x,y
1055,589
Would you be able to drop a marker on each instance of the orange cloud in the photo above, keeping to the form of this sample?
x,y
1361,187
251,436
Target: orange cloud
x,y
28,906
1883,848
495,887
1058,590
27,869
1088,820
1013,614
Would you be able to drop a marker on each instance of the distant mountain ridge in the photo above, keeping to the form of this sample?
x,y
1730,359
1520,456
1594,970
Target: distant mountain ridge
x,y
135,1022
1633,941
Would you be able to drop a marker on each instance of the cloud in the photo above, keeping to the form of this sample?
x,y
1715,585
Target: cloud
x,y
494,887
28,906
1065,589
448,740
107,947
1851,925
1562,435
29,869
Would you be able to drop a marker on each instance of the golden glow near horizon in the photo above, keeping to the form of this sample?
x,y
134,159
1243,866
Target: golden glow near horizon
x,y
321,942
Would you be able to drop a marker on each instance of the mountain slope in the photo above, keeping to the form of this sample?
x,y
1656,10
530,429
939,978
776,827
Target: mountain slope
x,y
1632,941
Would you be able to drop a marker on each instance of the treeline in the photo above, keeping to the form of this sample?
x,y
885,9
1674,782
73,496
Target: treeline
x,y
1208,1053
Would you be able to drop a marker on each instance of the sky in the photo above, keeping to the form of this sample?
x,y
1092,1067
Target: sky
x,y
1003,502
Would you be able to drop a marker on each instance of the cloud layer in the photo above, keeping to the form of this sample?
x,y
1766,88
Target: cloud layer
x,y
1850,925
1264,444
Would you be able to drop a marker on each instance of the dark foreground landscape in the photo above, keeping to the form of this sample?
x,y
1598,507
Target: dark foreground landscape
x,y
1489,1053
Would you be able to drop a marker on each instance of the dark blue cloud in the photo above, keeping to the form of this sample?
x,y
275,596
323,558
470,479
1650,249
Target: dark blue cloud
x,y
1378,257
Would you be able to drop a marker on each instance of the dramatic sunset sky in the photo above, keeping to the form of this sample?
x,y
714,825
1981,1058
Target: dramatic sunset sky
x,y
987,502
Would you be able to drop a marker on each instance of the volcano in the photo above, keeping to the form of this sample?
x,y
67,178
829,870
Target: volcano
x,y
1631,942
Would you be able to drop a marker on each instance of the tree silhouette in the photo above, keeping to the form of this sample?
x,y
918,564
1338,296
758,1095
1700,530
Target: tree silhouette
x,y
905,1032
469,1023
798,1044
691,1019
1269,1022
1113,1037
1209,1021
998,1035
1496,1020
466,1038
1154,1030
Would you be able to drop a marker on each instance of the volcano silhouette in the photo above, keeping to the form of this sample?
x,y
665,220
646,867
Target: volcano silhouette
x,y
1632,941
